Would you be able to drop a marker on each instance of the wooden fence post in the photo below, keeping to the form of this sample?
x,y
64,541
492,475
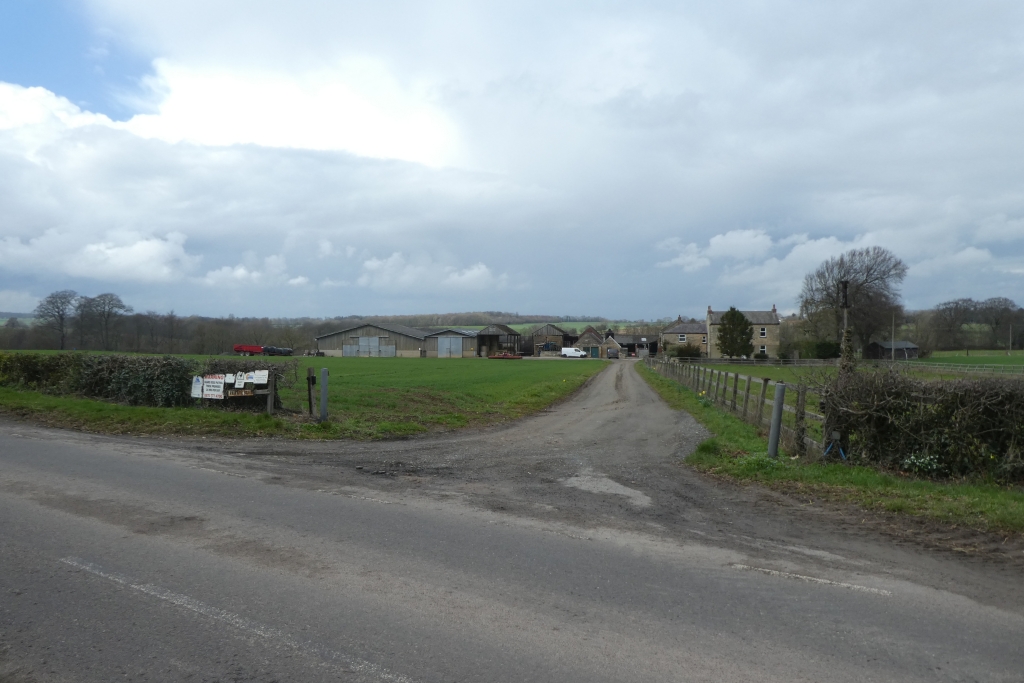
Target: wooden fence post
x,y
800,424
271,384
718,383
760,401
746,397
735,386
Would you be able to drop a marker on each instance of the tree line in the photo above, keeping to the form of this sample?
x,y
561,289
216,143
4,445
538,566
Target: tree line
x,y
875,310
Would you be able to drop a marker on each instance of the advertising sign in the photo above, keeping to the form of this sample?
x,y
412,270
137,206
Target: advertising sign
x,y
262,376
250,377
240,380
213,386
197,387
229,379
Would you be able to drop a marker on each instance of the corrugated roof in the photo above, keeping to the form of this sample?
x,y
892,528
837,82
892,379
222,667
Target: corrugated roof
x,y
449,330
554,327
499,329
687,328
755,317
397,329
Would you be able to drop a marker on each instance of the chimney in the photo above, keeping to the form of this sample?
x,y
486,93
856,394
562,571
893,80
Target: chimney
x,y
709,309
773,309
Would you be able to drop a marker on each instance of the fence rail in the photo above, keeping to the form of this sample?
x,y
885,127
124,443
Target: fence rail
x,y
749,403
965,368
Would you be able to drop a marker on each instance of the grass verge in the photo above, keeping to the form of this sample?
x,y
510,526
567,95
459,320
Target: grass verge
x,y
369,398
739,452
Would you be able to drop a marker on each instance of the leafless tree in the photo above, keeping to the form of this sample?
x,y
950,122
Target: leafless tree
x,y
874,274
107,309
55,311
950,318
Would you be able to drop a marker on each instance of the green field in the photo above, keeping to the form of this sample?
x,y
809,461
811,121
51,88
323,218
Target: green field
x,y
996,357
739,451
369,398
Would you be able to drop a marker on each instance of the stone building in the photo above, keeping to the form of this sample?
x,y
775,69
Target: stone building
x,y
766,326
682,333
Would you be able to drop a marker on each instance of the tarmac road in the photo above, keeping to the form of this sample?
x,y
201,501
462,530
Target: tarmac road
x,y
572,546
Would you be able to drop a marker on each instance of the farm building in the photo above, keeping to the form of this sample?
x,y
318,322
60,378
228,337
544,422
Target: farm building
x,y
551,338
497,338
887,350
682,333
639,345
591,341
766,326
382,340
451,343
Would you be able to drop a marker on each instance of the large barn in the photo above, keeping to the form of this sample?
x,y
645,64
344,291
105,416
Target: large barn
x,y
383,340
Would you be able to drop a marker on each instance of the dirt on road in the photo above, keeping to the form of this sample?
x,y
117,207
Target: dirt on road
x,y
612,458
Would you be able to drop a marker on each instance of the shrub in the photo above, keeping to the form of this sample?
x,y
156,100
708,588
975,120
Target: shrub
x,y
687,350
939,428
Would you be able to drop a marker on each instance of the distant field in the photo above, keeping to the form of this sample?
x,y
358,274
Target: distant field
x,y
369,398
1016,357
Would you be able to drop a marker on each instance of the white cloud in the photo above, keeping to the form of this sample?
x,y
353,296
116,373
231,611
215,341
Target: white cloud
x,y
417,276
740,245
970,259
299,281
689,257
355,105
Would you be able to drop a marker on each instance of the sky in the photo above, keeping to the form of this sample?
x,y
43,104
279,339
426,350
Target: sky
x,y
630,160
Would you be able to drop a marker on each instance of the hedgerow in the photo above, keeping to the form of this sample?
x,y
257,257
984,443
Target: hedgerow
x,y
950,428
160,381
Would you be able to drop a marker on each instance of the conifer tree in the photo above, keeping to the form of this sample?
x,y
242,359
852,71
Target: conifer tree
x,y
735,334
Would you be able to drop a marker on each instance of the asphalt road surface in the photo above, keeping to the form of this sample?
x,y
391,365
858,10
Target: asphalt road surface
x,y
572,546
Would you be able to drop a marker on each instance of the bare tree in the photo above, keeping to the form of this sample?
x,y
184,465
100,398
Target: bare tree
x,y
950,318
54,312
83,320
997,313
874,274
108,308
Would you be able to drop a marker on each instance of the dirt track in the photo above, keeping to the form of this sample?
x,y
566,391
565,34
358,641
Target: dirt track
x,y
611,457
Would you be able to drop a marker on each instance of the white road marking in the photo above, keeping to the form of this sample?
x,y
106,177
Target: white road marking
x,y
240,622
811,579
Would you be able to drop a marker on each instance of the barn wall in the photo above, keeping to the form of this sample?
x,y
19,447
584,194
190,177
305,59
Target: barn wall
x,y
405,346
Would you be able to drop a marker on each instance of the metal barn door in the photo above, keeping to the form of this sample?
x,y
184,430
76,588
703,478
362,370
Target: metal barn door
x,y
449,347
369,346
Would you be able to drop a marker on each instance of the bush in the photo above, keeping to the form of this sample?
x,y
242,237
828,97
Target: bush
x,y
938,428
132,380
687,350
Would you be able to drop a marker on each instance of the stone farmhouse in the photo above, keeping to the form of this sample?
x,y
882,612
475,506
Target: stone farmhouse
x,y
766,324
682,333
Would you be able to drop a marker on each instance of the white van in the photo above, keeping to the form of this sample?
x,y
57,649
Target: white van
x,y
569,352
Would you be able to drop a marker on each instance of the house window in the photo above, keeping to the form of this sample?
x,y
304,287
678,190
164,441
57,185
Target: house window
x,y
682,339
764,331
704,339
764,350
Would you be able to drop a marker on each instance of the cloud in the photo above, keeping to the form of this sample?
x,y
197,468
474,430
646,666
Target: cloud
x,y
299,281
356,105
17,301
397,273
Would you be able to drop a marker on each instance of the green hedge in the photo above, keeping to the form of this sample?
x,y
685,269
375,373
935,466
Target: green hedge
x,y
937,428
132,380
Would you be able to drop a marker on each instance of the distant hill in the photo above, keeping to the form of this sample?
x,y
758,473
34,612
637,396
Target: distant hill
x,y
8,314
479,318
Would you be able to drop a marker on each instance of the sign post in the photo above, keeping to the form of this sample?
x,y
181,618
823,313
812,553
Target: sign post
x,y
323,394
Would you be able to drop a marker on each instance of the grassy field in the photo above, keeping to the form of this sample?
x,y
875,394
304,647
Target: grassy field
x,y
369,398
739,451
996,357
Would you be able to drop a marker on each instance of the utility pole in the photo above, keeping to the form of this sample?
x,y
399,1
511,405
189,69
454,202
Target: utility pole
x,y
845,305
893,338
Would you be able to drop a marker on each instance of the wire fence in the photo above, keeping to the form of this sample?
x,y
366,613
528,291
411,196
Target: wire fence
x,y
750,399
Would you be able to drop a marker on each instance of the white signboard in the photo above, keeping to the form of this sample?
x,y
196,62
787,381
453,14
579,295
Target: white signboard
x,y
213,386
229,378
240,380
262,376
250,377
197,387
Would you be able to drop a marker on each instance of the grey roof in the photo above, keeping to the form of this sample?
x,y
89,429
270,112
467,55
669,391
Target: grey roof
x,y
449,330
498,329
897,345
687,328
390,327
635,338
755,317
554,327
